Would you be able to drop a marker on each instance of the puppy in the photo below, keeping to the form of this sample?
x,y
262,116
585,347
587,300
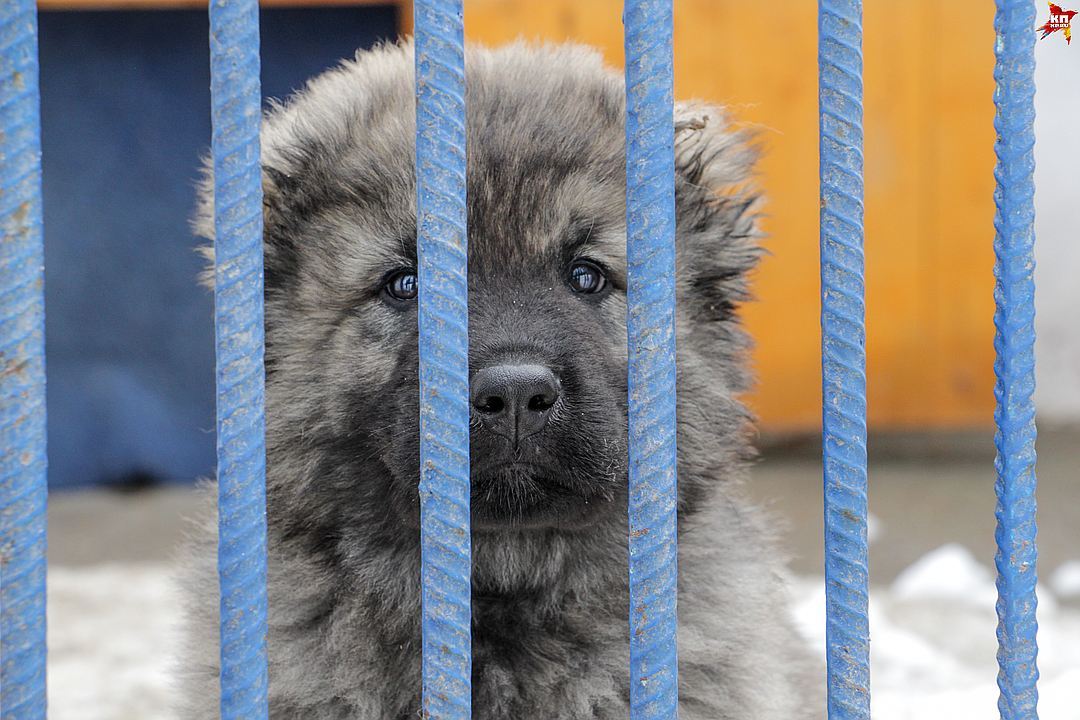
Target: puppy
x,y
547,357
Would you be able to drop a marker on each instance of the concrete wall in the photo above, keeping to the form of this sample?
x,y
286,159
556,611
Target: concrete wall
x,y
1057,227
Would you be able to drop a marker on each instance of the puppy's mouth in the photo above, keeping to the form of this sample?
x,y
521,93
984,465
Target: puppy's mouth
x,y
527,496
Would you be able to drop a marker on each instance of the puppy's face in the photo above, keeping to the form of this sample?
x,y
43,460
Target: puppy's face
x,y
546,279
547,350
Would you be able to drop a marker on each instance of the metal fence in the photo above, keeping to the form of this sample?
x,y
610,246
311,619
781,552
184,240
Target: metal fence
x,y
444,409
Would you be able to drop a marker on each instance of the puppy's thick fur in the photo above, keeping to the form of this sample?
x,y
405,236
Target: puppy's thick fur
x,y
546,190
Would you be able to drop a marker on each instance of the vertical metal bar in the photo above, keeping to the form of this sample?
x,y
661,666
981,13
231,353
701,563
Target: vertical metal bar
x,y
238,322
650,252
22,370
843,358
1014,318
444,360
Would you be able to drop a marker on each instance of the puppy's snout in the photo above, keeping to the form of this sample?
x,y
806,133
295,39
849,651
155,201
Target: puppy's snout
x,y
514,401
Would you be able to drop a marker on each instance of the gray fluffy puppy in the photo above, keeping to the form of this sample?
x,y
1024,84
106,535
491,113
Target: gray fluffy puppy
x,y
547,324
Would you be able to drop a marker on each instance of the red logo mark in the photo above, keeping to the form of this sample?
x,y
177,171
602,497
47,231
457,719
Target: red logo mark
x,y
1059,20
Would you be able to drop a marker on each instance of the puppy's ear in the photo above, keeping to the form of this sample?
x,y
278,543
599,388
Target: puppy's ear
x,y
708,151
281,193
716,213
279,249
276,186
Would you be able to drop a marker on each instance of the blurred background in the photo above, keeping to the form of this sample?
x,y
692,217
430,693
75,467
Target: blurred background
x,y
125,96
126,121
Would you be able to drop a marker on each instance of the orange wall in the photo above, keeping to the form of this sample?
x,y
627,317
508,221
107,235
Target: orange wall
x,y
929,184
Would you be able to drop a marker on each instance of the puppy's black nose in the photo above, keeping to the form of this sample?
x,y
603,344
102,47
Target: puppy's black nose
x,y
514,400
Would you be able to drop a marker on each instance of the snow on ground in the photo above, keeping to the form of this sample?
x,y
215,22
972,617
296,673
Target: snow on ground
x,y
933,647
112,635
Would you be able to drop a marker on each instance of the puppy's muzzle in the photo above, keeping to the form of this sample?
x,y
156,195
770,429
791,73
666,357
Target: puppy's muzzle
x,y
514,401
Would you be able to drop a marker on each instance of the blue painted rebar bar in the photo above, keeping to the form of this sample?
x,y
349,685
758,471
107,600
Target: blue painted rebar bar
x,y
650,254
843,358
444,360
238,322
22,371
1014,318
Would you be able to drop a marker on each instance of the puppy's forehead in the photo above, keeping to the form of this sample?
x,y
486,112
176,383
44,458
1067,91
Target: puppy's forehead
x,y
536,206
544,147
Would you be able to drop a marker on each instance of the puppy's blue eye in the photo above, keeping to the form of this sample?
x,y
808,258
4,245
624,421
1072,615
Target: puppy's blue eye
x,y
587,278
402,285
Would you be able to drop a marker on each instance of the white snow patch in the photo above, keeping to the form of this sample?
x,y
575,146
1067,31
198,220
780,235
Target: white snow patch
x,y
112,632
113,637
1065,581
948,573
933,644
